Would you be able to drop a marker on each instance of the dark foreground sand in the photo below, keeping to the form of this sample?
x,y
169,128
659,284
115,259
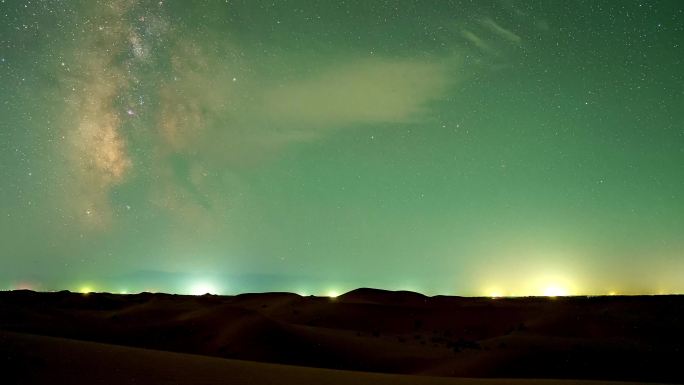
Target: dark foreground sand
x,y
633,339
30,359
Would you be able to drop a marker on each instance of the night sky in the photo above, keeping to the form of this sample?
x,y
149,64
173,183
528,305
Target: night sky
x,y
447,147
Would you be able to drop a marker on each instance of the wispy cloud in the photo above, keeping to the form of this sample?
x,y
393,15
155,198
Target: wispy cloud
x,y
479,42
493,41
359,91
502,32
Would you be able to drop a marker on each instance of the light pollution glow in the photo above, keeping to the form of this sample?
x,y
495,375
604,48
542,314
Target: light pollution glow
x,y
537,288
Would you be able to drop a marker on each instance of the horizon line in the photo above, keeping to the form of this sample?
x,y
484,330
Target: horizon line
x,y
88,292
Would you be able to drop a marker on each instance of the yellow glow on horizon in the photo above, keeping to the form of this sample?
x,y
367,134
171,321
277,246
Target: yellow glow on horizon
x,y
554,284
555,291
332,293
547,285
85,290
495,293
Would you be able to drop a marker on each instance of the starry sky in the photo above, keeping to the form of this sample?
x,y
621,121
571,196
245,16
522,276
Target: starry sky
x,y
447,147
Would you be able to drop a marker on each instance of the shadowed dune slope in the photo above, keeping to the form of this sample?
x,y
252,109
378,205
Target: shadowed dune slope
x,y
600,338
31,359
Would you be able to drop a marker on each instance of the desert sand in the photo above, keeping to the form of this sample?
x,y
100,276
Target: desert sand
x,y
34,359
283,338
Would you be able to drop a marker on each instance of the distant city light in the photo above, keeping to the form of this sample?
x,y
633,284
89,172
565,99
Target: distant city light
x,y
494,292
555,291
85,290
25,286
201,288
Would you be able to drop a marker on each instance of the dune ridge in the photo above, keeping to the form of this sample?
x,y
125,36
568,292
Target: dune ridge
x,y
598,338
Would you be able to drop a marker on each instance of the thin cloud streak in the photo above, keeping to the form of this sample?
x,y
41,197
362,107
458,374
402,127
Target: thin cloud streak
x,y
500,31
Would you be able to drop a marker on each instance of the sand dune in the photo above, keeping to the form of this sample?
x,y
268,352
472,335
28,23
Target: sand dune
x,y
603,338
31,359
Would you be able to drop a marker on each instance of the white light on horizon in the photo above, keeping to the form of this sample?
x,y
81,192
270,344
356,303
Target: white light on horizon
x,y
201,288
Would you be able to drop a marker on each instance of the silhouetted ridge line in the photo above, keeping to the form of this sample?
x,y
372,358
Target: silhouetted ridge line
x,y
381,296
